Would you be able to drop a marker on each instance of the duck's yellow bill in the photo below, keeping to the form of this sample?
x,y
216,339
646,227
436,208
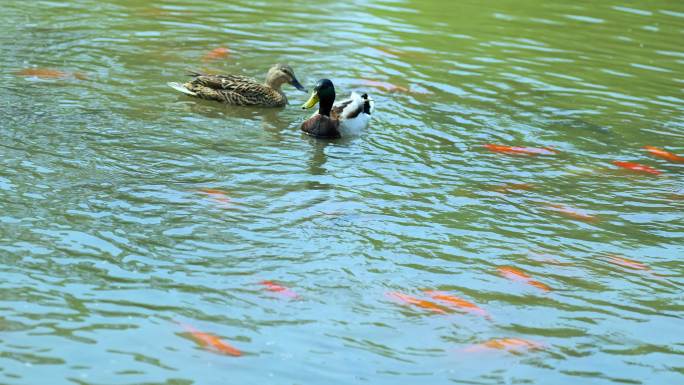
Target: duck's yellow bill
x,y
312,101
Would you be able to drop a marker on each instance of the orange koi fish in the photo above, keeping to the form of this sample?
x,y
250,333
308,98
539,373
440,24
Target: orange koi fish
x,y
217,195
44,73
553,261
211,342
457,303
281,290
659,152
387,51
509,187
627,263
638,167
507,344
515,274
216,53
571,212
519,150
417,302
385,86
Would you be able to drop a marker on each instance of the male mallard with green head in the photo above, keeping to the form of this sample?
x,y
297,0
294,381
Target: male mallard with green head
x,y
242,90
346,118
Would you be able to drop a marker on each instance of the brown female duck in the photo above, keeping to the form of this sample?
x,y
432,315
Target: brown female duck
x,y
242,90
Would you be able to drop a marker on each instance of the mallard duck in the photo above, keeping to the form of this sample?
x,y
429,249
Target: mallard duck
x,y
242,90
346,118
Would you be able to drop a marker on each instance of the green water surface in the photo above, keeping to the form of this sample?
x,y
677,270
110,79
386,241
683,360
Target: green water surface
x,y
110,245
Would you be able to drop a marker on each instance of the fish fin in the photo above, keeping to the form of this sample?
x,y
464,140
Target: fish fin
x,y
181,88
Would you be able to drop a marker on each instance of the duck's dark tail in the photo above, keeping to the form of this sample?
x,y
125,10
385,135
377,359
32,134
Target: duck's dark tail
x,y
193,73
368,104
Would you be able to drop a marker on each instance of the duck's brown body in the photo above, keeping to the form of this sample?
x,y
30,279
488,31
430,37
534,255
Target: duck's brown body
x,y
241,90
322,126
236,90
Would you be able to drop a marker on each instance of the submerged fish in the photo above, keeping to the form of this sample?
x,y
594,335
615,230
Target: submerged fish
x,y
638,167
44,73
219,196
389,87
216,53
553,261
627,263
659,152
211,342
514,150
457,303
516,274
281,290
405,298
509,187
507,344
571,212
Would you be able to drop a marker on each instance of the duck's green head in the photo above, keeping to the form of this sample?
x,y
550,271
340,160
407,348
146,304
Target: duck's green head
x,y
324,92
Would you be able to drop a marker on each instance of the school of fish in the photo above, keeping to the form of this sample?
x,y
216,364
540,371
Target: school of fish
x,y
433,301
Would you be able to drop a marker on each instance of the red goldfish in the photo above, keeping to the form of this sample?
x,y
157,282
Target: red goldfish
x,y
216,53
520,150
627,263
457,303
389,87
44,73
217,195
281,290
553,261
509,187
397,53
637,167
211,342
507,344
571,212
417,302
515,274
638,267
659,152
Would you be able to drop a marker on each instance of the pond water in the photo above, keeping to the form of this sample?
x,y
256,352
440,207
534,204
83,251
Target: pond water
x,y
134,218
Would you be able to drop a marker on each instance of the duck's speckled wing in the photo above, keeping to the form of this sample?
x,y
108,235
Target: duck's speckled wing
x,y
339,107
321,126
235,89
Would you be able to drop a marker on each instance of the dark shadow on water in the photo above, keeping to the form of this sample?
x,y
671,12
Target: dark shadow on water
x,y
319,158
